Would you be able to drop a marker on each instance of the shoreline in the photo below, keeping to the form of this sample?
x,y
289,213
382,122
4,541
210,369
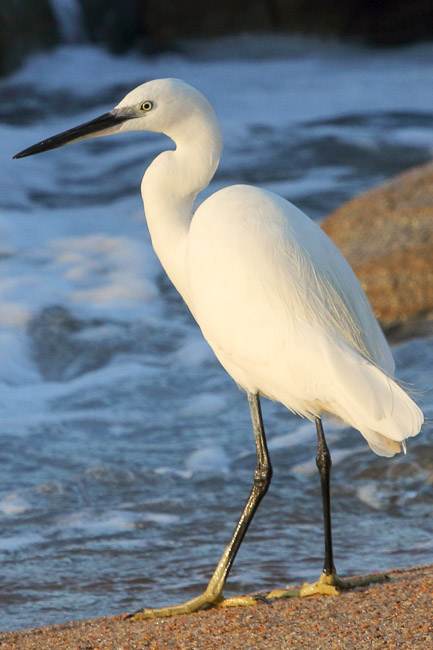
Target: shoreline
x,y
396,613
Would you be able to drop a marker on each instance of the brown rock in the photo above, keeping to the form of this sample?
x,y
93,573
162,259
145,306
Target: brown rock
x,y
386,235
25,27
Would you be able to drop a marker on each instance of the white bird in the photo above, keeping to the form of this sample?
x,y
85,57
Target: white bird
x,y
275,299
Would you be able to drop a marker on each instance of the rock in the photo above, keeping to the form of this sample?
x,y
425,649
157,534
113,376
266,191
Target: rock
x,y
165,21
152,25
24,27
386,235
381,23
64,347
117,24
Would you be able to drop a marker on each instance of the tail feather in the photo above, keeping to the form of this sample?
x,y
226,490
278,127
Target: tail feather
x,y
374,403
381,445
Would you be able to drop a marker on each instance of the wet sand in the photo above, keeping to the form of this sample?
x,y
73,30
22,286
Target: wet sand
x,y
394,614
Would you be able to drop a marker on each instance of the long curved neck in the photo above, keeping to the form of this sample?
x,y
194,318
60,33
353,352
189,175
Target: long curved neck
x,y
170,186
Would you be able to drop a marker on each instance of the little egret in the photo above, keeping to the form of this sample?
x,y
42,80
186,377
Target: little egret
x,y
277,302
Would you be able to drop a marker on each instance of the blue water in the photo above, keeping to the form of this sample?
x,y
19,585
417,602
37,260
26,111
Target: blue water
x,y
126,451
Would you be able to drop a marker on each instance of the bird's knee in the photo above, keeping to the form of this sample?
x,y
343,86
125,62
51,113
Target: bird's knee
x,y
262,477
323,460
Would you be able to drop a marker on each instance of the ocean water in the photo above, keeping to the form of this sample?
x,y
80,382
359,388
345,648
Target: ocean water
x,y
126,451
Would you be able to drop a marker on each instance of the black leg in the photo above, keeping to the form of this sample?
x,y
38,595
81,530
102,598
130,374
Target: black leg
x,y
329,583
324,463
261,482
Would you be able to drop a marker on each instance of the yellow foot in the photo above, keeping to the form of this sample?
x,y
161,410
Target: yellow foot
x,y
204,601
332,585
327,585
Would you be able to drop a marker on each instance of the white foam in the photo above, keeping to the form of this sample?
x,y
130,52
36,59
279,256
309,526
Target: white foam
x,y
105,272
171,471
204,404
193,352
16,367
13,504
112,522
209,460
368,494
304,433
162,518
98,524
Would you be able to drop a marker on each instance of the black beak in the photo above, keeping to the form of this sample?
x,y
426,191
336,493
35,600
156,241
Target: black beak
x,y
101,123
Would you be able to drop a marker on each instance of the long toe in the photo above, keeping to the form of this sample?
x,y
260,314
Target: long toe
x,y
241,601
362,581
204,601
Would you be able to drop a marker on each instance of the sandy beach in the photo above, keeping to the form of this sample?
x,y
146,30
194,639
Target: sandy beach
x,y
394,614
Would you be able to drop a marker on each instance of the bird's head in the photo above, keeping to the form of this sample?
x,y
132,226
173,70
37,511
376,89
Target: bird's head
x,y
163,106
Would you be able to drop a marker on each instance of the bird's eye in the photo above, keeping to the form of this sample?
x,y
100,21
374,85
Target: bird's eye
x,y
146,106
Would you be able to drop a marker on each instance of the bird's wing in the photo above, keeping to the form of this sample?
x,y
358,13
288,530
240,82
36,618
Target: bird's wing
x,y
336,300
260,255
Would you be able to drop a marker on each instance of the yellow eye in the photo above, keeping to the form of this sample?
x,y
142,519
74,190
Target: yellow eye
x,y
146,106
